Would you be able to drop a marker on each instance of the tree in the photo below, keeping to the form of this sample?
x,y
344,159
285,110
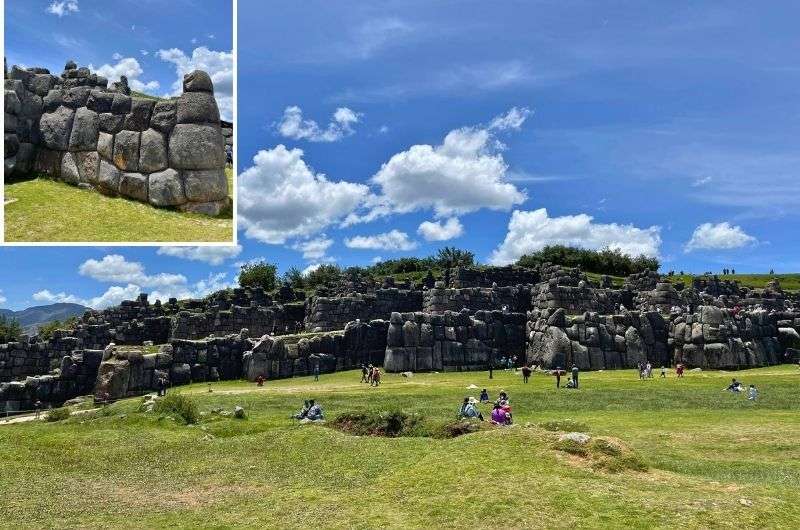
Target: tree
x,y
454,257
293,278
10,330
604,261
258,274
46,330
324,274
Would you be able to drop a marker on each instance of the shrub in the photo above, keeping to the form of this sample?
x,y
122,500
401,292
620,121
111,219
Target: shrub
x,y
10,330
324,274
618,464
604,261
59,414
179,404
572,447
46,330
258,274
606,447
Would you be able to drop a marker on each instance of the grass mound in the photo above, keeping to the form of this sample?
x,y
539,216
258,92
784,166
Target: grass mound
x,y
180,405
604,454
564,426
59,414
393,424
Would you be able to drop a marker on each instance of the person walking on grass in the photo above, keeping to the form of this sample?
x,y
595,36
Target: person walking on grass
x,y
316,371
370,371
649,369
575,375
663,371
558,376
679,370
752,393
376,376
364,373
526,372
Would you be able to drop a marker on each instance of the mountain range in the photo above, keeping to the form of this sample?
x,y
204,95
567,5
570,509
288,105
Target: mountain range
x,y
31,318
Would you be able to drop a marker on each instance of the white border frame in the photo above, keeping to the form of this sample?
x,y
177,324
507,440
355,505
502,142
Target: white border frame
x,y
234,242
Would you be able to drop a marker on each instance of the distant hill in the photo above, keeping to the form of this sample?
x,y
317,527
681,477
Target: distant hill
x,y
31,318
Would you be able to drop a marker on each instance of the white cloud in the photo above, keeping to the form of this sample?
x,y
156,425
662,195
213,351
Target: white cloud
x,y
314,249
63,8
377,259
292,125
115,268
114,295
130,68
436,231
117,56
529,231
144,52
218,65
465,173
3,299
311,268
383,129
394,241
720,236
194,40
281,198
214,282
701,182
210,255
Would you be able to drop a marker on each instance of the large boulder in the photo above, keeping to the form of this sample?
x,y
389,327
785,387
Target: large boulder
x,y
88,163
105,145
121,104
100,101
52,100
164,116
69,169
197,81
111,123
126,150
193,146
108,177
41,84
55,128
133,185
205,185
48,161
152,152
197,107
76,97
85,127
139,117
12,103
166,188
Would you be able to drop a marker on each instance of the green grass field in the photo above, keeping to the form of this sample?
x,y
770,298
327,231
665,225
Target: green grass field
x,y
714,459
43,210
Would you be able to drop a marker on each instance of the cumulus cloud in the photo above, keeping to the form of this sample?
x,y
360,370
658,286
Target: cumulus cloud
x,y
311,268
465,173
529,231
117,56
114,295
314,249
130,68
720,236
3,299
63,8
210,255
438,231
218,64
394,240
292,125
282,198
701,182
115,268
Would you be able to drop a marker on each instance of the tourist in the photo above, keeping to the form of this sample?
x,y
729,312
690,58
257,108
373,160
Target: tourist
x,y
571,383
502,399
314,411
557,373
679,370
735,386
484,396
316,371
575,375
376,376
752,393
303,412
649,369
38,407
507,411
663,371
491,368
469,410
503,362
162,386
260,380
229,155
526,372
513,363
371,371
498,415
364,374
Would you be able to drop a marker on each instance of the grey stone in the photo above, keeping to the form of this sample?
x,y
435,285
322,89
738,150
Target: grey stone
x,y
88,163
205,185
102,81
152,152
164,116
11,145
139,117
166,188
111,123
126,150
84,130
42,83
121,104
12,103
105,145
10,123
70,65
26,155
100,101
197,107
69,169
213,208
55,128
193,146
76,97
197,81
31,104
133,185
108,177
48,161
53,100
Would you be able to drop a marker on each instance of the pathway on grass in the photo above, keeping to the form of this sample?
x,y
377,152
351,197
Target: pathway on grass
x,y
23,418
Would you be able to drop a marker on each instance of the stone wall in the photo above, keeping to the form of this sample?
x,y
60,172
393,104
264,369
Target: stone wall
x,y
30,356
440,299
574,299
596,342
461,277
169,153
452,341
329,314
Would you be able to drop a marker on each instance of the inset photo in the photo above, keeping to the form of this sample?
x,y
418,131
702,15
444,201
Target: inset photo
x,y
119,120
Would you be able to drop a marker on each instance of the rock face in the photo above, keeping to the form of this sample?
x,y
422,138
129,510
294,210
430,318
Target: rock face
x,y
76,129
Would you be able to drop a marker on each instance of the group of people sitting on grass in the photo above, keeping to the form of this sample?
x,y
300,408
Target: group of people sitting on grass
x,y
370,374
737,387
572,382
501,410
310,411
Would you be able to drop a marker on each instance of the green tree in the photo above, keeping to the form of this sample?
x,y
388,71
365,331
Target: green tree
x,y
327,273
10,330
293,278
258,274
454,257
46,330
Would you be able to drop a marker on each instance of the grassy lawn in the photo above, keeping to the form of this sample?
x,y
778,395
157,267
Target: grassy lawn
x,y
46,210
789,282
714,459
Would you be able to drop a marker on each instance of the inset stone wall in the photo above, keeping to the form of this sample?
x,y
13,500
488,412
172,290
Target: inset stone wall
x,y
329,314
169,153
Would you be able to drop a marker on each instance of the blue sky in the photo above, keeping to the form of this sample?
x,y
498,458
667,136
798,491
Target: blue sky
x,y
137,38
393,130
